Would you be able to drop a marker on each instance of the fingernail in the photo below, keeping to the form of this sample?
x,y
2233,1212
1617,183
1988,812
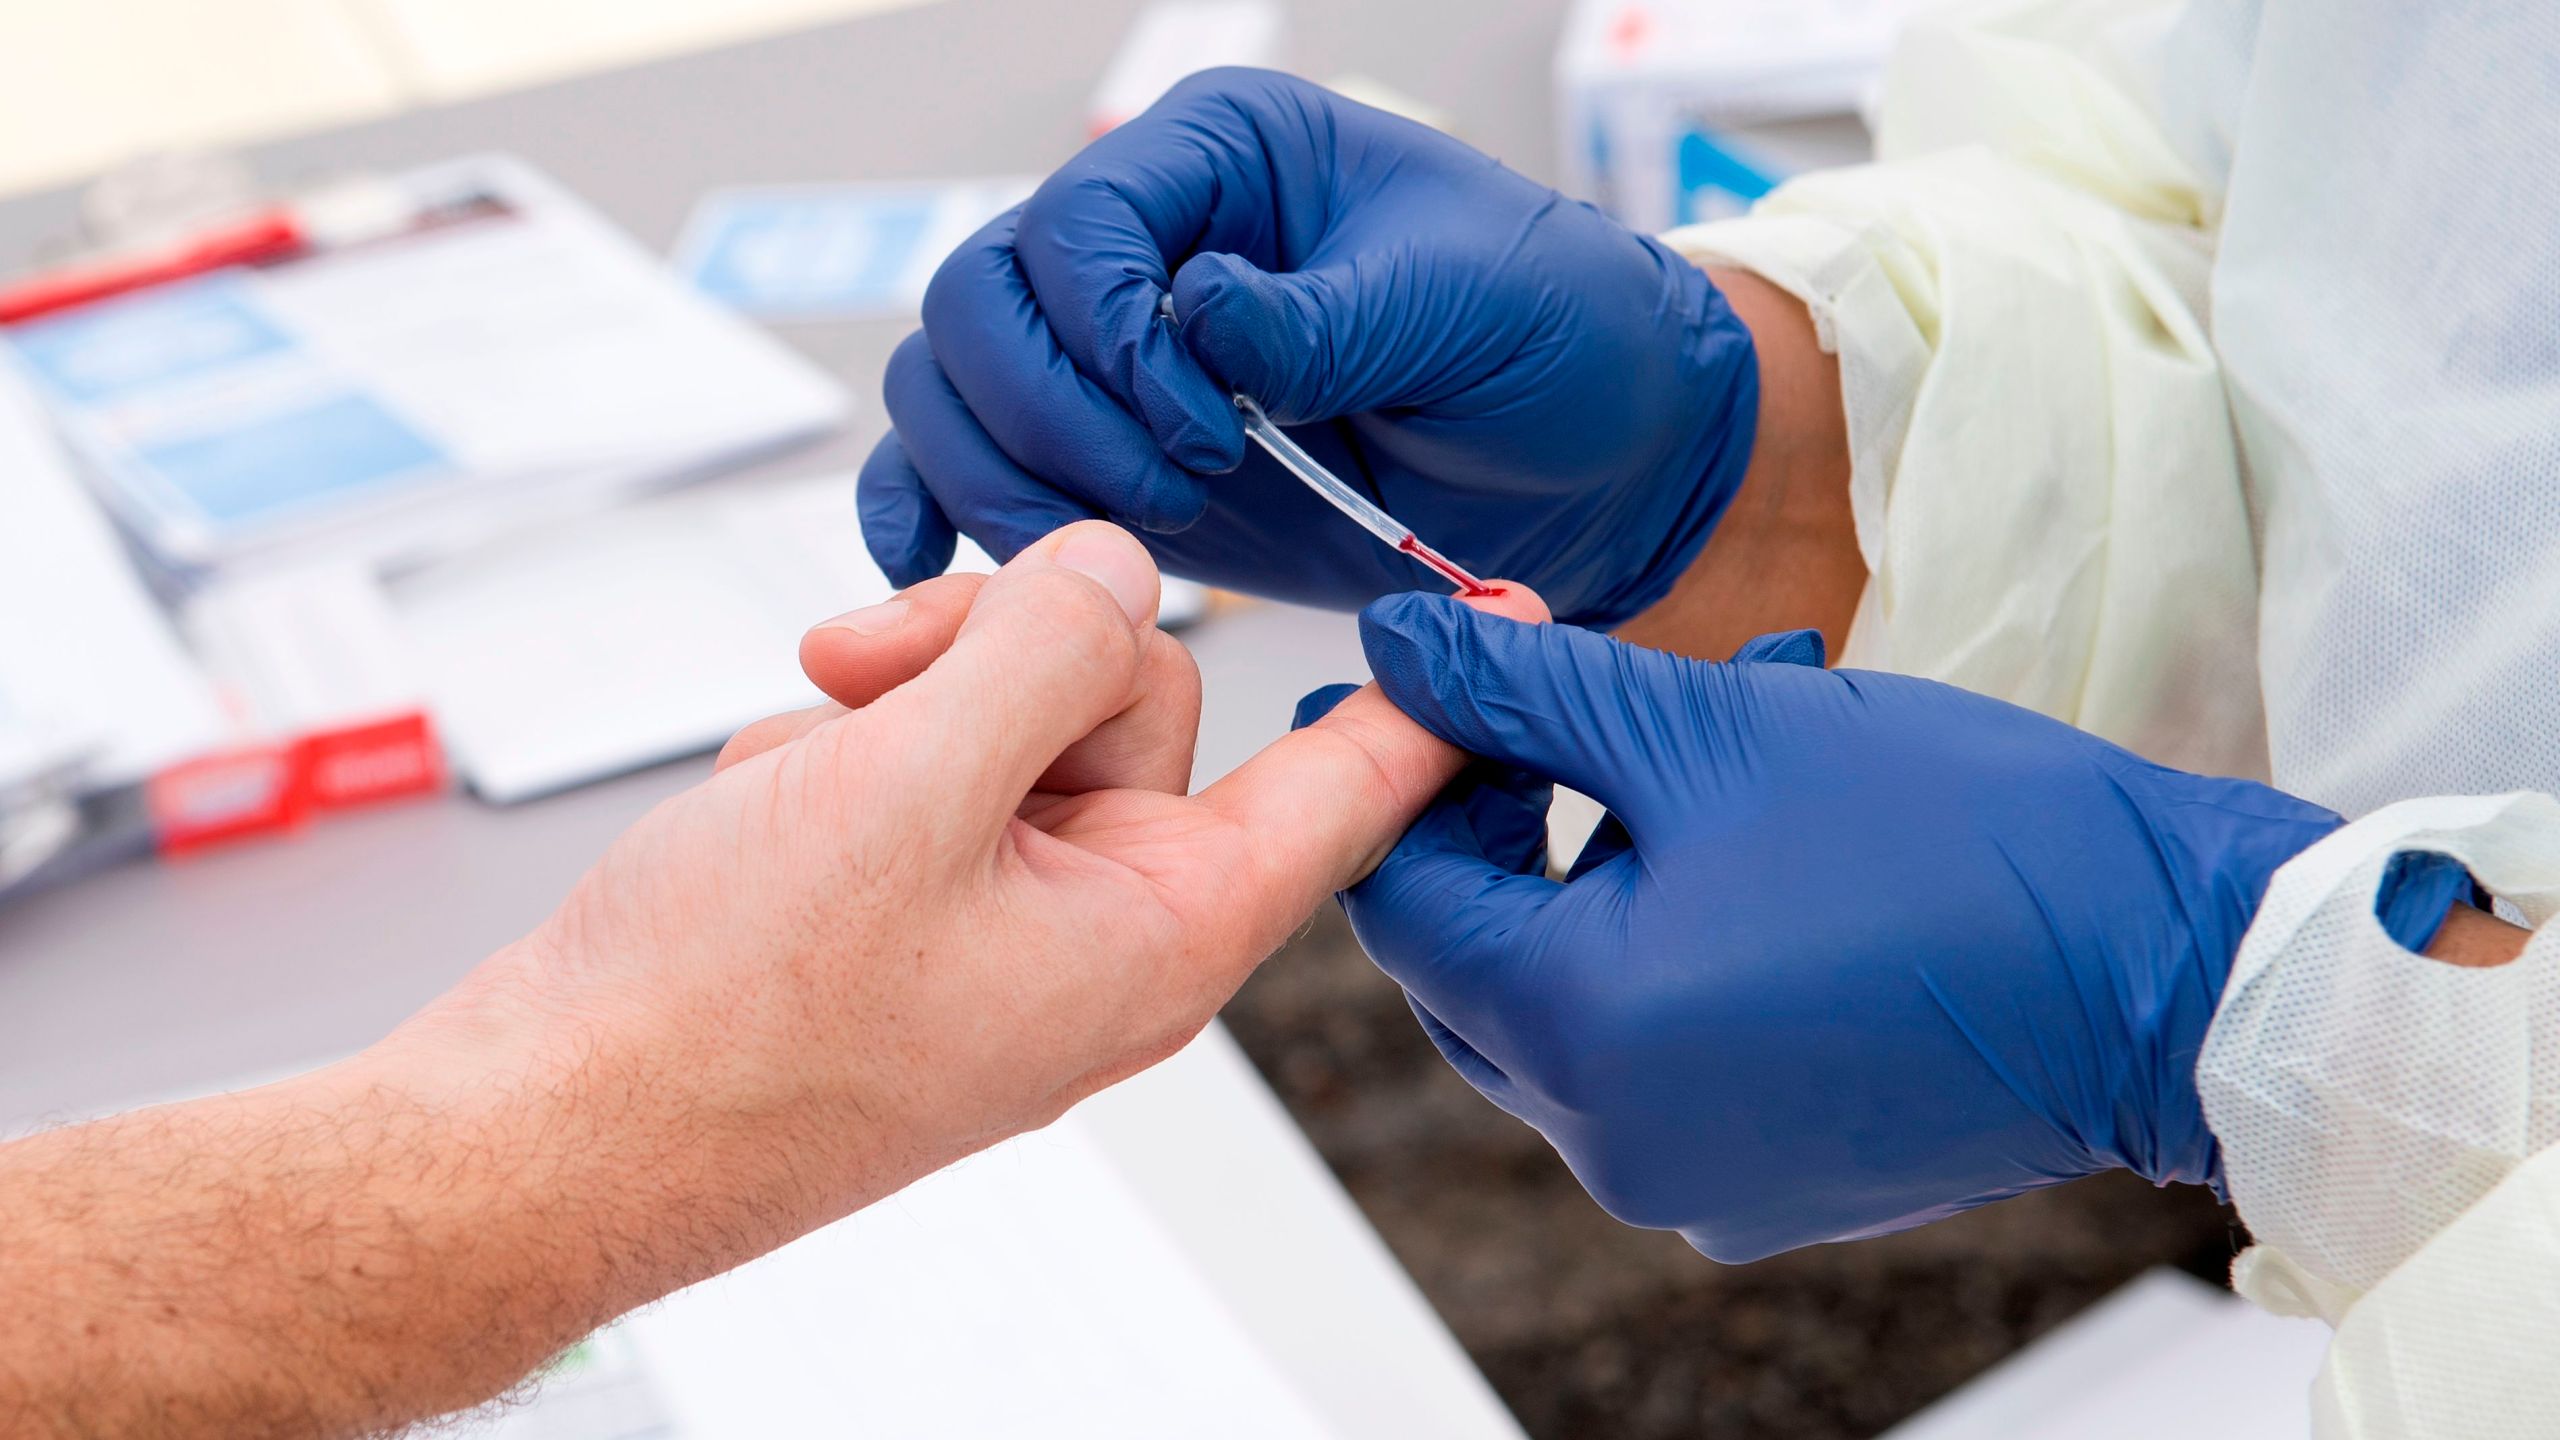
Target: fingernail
x,y
1109,554
871,619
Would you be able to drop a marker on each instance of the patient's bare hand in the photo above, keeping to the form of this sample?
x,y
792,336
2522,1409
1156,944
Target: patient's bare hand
x,y
966,894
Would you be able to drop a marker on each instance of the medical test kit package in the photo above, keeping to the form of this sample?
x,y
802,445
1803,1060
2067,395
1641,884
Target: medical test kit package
x,y
512,357
281,441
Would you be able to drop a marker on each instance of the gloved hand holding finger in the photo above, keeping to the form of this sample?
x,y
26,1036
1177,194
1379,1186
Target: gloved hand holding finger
x,y
1853,952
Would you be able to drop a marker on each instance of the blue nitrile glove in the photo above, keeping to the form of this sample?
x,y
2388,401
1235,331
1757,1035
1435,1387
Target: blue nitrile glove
x,y
1539,392
1853,951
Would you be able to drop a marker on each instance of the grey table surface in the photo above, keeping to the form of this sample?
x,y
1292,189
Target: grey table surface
x,y
155,979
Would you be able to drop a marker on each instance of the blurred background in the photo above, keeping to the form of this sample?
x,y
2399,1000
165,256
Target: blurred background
x,y
425,428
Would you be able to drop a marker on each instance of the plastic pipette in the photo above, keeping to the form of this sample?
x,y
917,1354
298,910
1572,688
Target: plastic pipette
x,y
1349,501
1337,494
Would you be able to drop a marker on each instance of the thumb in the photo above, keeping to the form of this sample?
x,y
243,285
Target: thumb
x,y
1568,704
1304,343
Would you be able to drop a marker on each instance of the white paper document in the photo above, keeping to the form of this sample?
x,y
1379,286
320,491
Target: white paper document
x,y
303,649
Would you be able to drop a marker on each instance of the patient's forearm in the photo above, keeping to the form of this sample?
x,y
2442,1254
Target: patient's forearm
x,y
403,1235
1785,554
322,1257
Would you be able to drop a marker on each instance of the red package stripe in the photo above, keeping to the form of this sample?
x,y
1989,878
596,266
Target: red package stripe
x,y
269,789
363,764
222,797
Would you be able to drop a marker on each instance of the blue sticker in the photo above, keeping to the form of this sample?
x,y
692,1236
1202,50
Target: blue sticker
x,y
103,353
841,252
292,459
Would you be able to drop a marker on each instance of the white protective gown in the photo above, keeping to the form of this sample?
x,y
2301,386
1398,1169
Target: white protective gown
x,y
2202,368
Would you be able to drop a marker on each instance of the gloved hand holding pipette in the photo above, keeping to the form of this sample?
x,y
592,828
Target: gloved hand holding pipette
x,y
1359,509
1535,390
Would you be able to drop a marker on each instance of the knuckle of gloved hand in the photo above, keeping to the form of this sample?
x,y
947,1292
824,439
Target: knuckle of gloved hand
x,y
904,380
1053,208
1579,1037
1004,517
1141,493
1727,1251
1221,84
964,278
1629,1180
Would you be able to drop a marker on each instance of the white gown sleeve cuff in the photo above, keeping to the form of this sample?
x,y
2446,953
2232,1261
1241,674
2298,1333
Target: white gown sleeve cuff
x,y
2365,1097
2387,1125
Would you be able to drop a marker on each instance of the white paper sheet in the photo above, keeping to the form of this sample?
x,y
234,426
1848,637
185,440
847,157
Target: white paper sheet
x,y
586,650
304,649
2166,1355
1026,1291
89,665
